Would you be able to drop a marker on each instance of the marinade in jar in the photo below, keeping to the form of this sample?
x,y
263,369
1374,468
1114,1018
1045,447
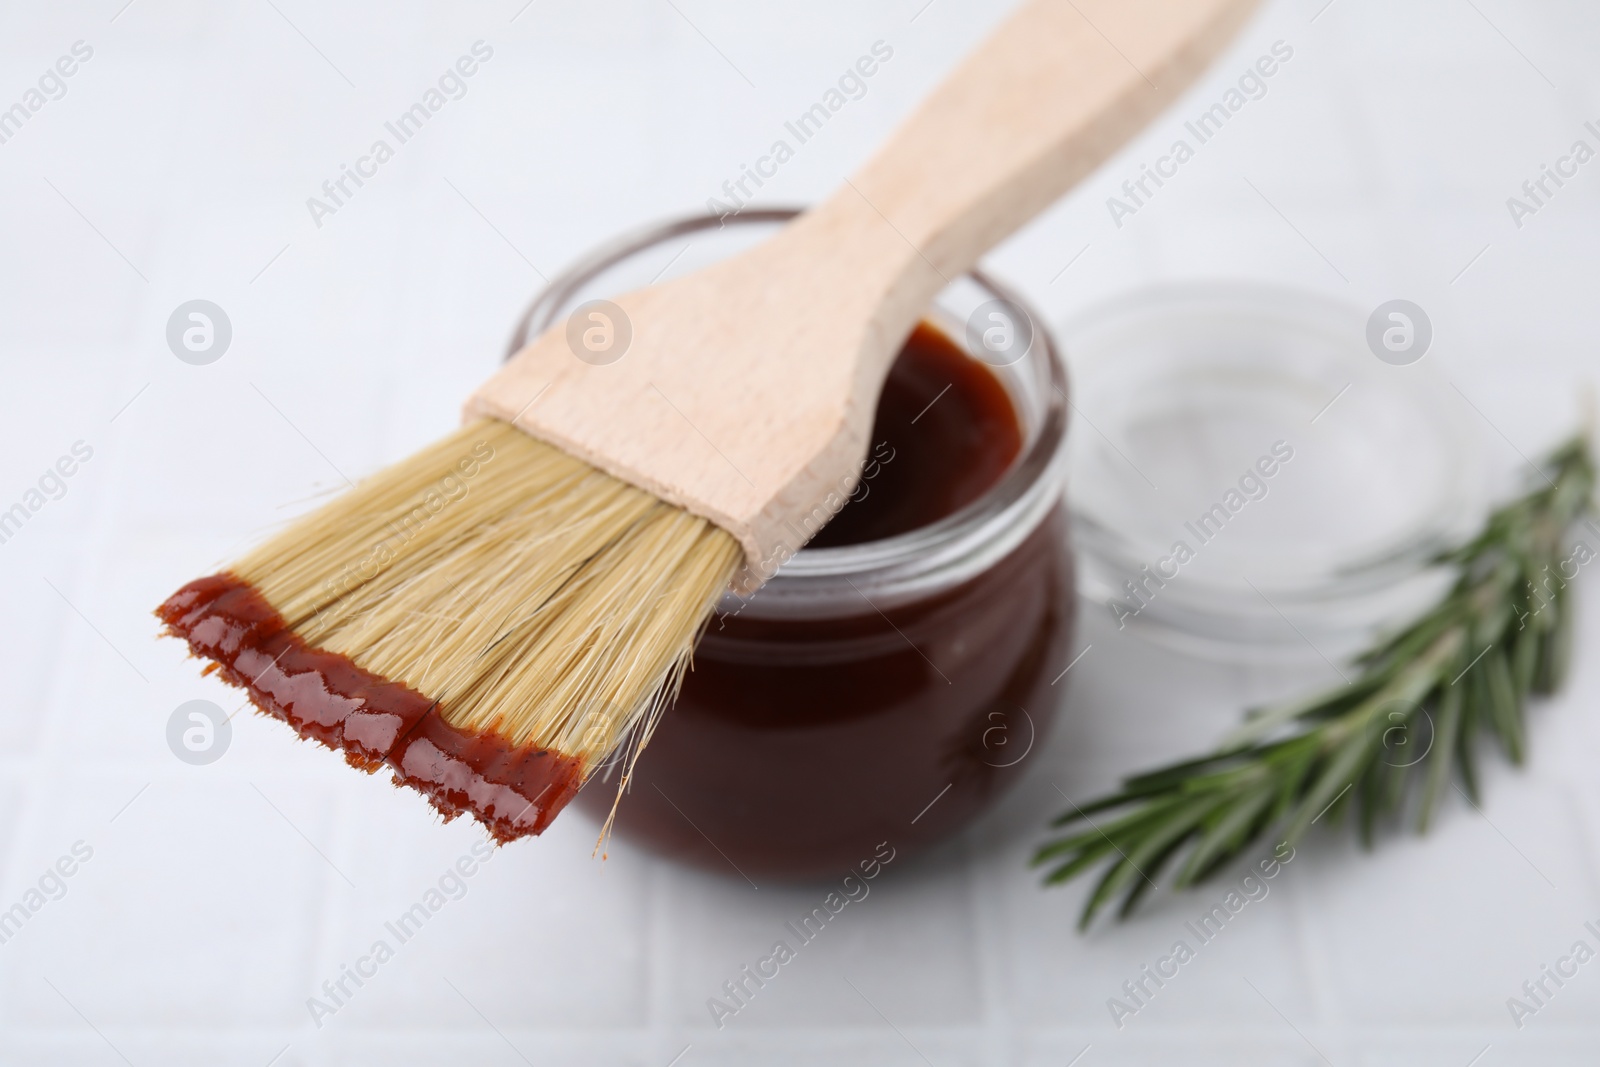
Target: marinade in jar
x,y
798,744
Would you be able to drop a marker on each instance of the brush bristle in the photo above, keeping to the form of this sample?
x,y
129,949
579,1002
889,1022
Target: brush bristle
x,y
528,594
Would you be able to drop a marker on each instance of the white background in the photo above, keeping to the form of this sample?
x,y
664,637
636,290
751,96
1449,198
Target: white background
x,y
219,898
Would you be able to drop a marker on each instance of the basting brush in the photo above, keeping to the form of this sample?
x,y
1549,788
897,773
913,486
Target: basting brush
x,y
502,613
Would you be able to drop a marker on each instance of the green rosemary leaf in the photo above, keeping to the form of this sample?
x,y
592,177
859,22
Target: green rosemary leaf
x,y
1090,842
1170,831
1128,825
1151,872
1121,798
1085,859
1292,772
1463,669
1395,776
1446,727
1524,661
1555,651
1222,838
1369,799
1262,722
1466,758
1503,703
1163,778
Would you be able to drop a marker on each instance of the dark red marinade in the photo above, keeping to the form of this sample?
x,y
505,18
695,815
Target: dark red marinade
x,y
375,722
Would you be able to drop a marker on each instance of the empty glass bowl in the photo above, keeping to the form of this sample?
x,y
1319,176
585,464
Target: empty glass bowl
x,y
1250,482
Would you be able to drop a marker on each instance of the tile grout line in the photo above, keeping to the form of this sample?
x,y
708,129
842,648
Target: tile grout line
x,y
318,954
993,951
657,938
1326,1005
44,762
1570,794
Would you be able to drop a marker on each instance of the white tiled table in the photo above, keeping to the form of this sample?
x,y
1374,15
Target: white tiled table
x,y
219,898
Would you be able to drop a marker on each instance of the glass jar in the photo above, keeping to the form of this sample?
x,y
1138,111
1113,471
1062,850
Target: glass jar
x,y
886,691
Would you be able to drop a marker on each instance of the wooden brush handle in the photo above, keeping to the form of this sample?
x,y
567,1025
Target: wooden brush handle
x,y
1059,87
748,390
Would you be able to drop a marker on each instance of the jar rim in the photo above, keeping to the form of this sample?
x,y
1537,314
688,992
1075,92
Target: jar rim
x,y
889,570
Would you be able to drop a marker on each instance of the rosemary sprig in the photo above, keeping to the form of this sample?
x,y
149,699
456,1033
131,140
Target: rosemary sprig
x,y
1421,701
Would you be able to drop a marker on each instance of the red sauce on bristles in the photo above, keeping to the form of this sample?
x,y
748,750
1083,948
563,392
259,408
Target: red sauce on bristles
x,y
373,721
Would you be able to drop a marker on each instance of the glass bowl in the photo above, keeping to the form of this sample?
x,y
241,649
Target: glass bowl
x,y
1249,482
